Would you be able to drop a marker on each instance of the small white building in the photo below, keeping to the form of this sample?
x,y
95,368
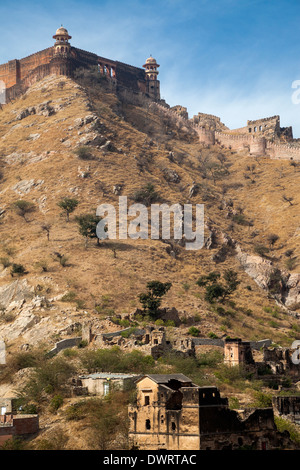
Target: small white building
x,y
101,383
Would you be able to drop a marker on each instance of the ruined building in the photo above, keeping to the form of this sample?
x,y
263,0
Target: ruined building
x,y
287,407
281,361
150,340
172,413
237,352
63,59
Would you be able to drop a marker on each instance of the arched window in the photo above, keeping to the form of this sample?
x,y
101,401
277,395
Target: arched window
x,y
148,424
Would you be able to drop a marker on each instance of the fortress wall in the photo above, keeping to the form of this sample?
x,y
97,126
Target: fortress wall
x,y
130,77
200,116
258,146
9,73
234,141
35,60
15,71
283,151
205,135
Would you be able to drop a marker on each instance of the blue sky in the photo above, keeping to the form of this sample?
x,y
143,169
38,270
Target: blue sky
x,y
236,59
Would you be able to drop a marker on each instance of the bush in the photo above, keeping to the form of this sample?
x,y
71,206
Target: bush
x,y
261,250
285,425
115,360
215,290
84,153
48,378
146,195
193,331
17,269
69,297
262,400
212,335
56,402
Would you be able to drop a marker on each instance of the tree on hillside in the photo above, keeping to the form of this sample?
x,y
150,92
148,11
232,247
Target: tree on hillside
x,y
146,195
272,239
216,290
46,228
68,205
151,300
87,226
23,208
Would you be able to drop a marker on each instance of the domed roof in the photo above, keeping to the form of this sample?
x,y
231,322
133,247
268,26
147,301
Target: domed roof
x,y
151,60
61,30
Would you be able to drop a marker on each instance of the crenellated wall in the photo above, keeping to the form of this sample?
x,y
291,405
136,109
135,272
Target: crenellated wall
x,y
255,144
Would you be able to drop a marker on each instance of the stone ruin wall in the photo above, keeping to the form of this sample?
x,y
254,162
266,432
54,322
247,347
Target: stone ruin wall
x,y
256,145
209,121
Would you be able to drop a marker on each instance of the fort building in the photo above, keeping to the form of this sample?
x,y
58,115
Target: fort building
x,y
64,59
172,413
259,138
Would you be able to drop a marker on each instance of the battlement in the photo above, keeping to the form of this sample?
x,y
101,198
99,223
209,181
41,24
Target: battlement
x,y
263,120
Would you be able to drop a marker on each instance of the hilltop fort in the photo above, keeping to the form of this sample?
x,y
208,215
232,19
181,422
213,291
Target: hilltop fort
x,y
262,137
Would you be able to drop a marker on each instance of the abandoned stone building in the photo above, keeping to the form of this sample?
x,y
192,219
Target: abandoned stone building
x,y
287,407
280,361
64,59
102,383
173,413
237,352
150,340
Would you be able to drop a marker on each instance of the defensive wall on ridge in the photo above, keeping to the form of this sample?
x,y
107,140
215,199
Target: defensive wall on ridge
x,y
256,145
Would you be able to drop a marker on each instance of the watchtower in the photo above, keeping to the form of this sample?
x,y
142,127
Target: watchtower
x,y
152,83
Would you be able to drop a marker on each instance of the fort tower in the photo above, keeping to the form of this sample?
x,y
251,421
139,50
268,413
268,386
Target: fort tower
x,y
151,72
62,45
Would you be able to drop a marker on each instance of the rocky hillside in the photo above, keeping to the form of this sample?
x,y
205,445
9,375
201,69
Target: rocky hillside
x,y
78,139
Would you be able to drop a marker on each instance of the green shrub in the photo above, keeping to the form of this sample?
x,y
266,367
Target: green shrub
x,y
146,195
262,400
285,425
70,352
84,153
56,402
128,333
193,331
212,335
69,297
17,269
